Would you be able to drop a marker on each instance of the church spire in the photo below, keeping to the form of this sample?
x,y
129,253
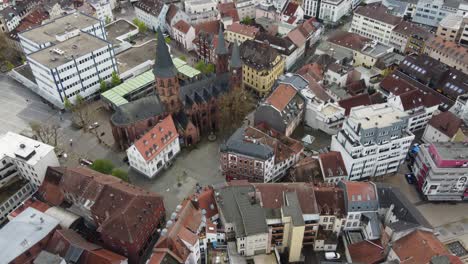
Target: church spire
x,y
221,47
163,65
235,57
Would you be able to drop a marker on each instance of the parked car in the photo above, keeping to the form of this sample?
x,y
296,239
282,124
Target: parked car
x,y
332,255
94,125
85,162
410,178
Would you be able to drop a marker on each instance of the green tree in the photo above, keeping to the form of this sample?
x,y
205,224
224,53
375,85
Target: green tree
x,y
9,65
183,58
210,68
103,86
234,106
115,80
108,20
121,174
168,40
247,20
204,67
200,65
103,166
142,28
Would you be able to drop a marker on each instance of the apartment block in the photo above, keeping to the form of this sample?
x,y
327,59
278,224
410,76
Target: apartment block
x,y
374,141
258,155
441,171
449,27
375,22
450,53
59,30
152,13
431,12
330,11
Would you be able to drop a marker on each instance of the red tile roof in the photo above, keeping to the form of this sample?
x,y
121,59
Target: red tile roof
x,y
171,12
330,200
115,205
63,239
357,100
409,29
242,29
416,98
206,201
281,96
447,123
182,26
228,10
356,87
378,11
290,9
301,33
157,139
349,40
366,252
33,19
332,164
364,189
208,27
395,84
31,202
418,247
314,70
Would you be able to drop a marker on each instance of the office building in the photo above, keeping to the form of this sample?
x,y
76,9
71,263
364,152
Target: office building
x,y
374,141
441,171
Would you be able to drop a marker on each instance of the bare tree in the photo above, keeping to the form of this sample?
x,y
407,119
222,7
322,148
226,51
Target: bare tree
x,y
80,110
47,133
234,106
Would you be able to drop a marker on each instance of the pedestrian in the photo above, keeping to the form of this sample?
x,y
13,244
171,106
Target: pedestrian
x,y
71,142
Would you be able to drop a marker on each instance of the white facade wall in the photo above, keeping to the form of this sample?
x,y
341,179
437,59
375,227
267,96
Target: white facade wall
x,y
153,22
79,76
329,11
13,23
431,12
334,77
194,256
419,117
186,39
252,245
398,41
103,10
434,135
201,11
152,167
371,28
315,116
246,8
8,170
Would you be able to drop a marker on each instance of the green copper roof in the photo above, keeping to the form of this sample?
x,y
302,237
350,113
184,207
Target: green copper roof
x,y
116,95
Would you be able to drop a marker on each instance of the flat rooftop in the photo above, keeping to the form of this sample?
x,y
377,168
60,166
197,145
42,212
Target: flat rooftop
x,y
135,56
117,29
47,32
377,115
73,47
20,147
452,150
23,232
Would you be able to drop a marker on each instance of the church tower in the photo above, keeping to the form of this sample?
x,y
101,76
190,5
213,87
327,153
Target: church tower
x,y
165,74
235,67
222,54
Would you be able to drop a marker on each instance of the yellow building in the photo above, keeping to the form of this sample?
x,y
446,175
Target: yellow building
x,y
262,66
369,55
240,32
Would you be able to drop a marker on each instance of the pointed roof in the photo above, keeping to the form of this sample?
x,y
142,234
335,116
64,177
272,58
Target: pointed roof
x,y
235,57
221,48
163,66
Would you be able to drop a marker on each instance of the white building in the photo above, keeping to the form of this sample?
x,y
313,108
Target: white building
x,y
201,11
444,127
103,9
155,149
431,12
374,141
60,29
24,233
246,8
330,11
152,13
374,21
9,19
74,66
418,105
25,157
323,115
184,34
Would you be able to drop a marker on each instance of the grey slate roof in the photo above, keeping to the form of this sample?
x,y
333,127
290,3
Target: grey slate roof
x,y
293,208
140,109
235,57
202,90
47,258
237,208
221,47
403,209
400,226
237,144
372,219
163,65
296,81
